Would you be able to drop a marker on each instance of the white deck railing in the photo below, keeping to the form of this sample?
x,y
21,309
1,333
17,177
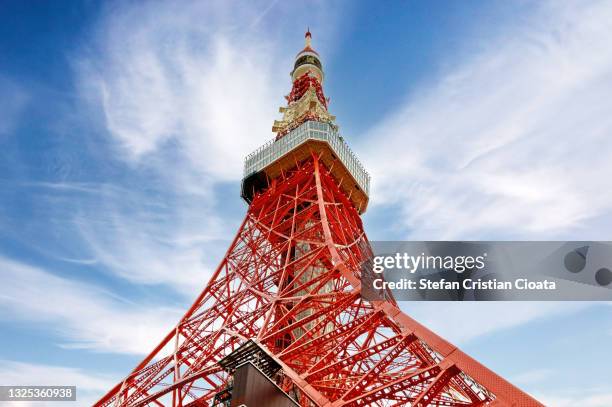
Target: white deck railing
x,y
311,130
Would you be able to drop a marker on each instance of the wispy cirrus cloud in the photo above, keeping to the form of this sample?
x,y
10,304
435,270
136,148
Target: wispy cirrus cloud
x,y
577,397
203,79
182,93
532,376
85,316
170,238
562,396
174,97
136,230
461,322
513,141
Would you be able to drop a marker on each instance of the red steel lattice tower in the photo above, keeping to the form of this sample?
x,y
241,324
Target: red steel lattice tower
x,y
287,293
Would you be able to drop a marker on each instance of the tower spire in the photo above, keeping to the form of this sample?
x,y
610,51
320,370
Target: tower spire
x,y
306,101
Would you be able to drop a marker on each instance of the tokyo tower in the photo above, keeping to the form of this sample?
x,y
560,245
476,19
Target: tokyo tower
x,y
282,321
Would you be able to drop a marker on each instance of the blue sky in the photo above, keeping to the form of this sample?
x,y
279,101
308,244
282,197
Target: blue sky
x,y
123,126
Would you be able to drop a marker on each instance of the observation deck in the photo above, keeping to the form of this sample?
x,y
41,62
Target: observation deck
x,y
278,155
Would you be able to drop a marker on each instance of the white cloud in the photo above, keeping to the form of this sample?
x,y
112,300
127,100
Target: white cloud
x,y
89,386
532,376
460,322
86,316
582,397
185,98
139,230
185,91
204,77
512,143
152,238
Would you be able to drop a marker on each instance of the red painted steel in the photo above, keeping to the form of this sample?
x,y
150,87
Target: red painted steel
x,y
290,280
302,84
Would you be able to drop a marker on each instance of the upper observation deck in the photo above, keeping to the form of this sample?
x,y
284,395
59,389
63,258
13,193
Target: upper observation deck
x,y
283,153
